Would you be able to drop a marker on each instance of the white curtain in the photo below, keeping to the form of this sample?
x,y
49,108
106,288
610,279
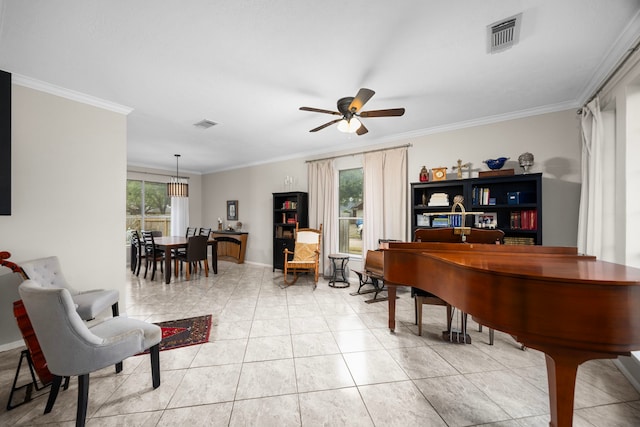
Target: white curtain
x,y
385,196
323,207
596,224
179,215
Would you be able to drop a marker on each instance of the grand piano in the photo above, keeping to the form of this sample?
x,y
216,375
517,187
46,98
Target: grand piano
x,y
572,307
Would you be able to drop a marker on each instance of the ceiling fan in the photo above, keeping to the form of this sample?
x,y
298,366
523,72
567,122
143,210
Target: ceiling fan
x,y
349,108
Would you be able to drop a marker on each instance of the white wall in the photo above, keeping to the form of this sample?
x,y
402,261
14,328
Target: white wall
x,y
252,187
553,139
68,189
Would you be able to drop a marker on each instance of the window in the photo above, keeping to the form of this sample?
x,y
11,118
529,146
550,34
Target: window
x,y
350,221
148,206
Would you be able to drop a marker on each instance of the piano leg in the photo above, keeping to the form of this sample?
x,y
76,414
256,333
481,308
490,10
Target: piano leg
x,y
391,292
562,367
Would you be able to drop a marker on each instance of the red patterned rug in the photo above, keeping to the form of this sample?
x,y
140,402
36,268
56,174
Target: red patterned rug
x,y
185,332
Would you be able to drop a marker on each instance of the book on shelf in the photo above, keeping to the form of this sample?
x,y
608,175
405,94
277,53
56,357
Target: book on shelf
x,y
289,204
510,240
287,234
524,220
455,221
482,196
440,221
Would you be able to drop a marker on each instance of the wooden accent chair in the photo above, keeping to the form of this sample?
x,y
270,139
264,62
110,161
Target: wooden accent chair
x,y
306,254
448,235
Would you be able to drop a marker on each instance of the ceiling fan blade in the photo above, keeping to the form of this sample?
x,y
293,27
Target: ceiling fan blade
x,y
325,125
383,113
361,98
362,129
319,110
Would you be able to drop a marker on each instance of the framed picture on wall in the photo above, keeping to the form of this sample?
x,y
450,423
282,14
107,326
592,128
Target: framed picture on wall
x,y
232,210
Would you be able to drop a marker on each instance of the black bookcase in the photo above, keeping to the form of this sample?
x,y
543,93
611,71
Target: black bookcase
x,y
288,208
510,203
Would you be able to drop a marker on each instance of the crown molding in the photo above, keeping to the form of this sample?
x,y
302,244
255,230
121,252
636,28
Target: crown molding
x,y
69,94
624,43
551,108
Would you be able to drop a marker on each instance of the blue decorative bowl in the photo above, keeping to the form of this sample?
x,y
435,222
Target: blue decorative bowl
x,y
496,164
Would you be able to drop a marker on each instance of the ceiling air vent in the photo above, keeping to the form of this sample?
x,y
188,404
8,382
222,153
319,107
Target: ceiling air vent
x,y
205,124
503,34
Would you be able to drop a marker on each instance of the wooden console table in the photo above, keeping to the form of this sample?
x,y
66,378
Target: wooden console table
x,y
232,245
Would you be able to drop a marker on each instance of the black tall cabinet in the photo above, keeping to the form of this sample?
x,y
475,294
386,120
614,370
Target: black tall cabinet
x,y
288,209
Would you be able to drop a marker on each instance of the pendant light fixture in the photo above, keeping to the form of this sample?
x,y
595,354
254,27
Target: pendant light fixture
x,y
177,187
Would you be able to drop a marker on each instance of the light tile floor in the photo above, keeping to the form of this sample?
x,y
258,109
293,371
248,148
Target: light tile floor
x,y
305,357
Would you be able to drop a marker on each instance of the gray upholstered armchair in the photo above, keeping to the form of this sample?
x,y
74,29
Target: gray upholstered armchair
x,y
47,272
71,348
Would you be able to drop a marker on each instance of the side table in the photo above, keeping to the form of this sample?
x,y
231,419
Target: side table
x,y
339,263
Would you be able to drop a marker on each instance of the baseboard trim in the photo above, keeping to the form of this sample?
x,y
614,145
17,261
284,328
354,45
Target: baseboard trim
x,y
630,368
11,345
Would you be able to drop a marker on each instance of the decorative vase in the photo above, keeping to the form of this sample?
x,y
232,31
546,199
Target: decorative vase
x,y
495,164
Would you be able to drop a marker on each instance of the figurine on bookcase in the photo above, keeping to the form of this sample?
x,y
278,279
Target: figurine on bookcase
x,y
424,174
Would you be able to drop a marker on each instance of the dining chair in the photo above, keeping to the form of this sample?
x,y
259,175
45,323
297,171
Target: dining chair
x,y
152,254
196,251
48,273
191,231
137,253
204,232
71,348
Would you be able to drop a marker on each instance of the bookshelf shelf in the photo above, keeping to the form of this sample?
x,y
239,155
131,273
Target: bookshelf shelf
x,y
516,202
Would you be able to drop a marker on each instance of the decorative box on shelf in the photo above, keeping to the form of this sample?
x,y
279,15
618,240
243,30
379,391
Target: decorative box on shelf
x,y
517,197
498,172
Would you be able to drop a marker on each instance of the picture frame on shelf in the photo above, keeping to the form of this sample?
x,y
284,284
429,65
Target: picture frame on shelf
x,y
232,210
486,220
422,221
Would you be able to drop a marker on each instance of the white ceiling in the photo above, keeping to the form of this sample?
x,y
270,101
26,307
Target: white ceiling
x,y
249,66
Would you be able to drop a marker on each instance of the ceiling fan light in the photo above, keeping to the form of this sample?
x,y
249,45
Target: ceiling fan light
x,y
349,126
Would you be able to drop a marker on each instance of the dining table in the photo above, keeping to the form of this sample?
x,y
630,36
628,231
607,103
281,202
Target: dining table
x,y
169,243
